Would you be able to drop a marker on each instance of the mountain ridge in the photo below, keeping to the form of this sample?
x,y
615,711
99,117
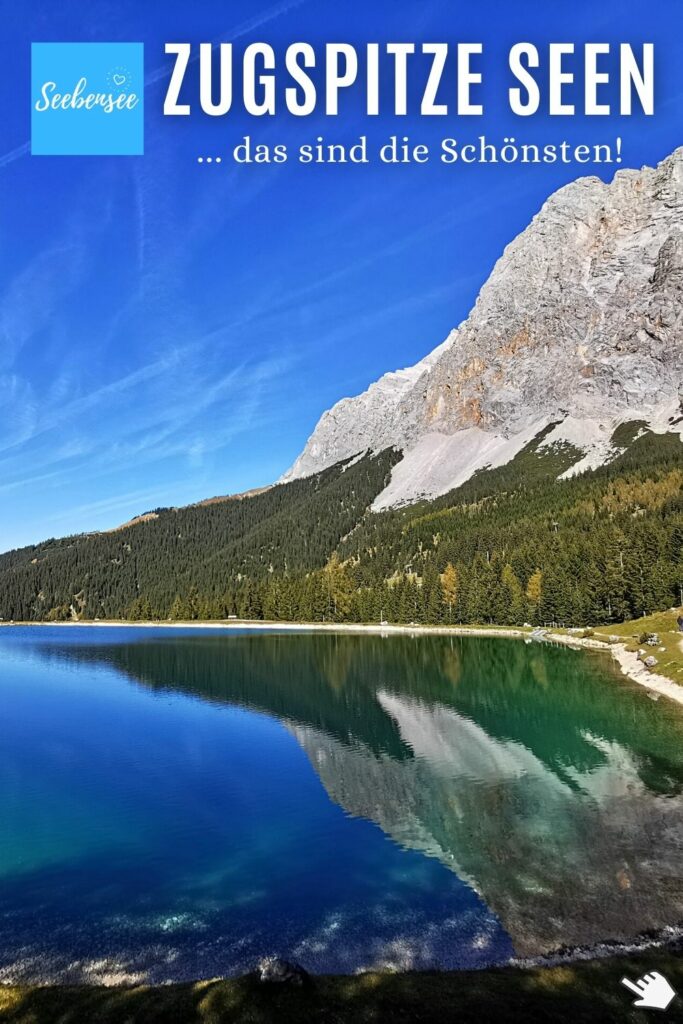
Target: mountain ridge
x,y
580,320
568,368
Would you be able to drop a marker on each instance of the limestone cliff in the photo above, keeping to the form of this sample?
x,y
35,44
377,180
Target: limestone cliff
x,y
581,320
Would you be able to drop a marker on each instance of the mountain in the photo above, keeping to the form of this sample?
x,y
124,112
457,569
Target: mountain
x,y
207,560
568,368
580,325
511,545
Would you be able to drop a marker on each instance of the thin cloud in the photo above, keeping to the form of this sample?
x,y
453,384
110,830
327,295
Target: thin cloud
x,y
132,500
15,154
165,430
243,29
31,297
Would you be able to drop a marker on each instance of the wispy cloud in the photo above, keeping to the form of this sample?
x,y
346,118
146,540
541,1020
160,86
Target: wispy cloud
x,y
168,421
30,299
137,500
243,29
15,154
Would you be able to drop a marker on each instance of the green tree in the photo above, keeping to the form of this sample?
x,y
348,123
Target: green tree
x,y
534,593
339,587
513,595
450,588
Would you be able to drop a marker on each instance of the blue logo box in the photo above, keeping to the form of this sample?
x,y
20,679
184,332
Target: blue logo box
x,y
87,99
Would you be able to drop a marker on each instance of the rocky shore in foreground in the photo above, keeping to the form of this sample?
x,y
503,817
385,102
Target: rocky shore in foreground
x,y
587,991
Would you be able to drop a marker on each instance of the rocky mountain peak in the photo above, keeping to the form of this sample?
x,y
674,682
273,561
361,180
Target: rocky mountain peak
x,y
581,317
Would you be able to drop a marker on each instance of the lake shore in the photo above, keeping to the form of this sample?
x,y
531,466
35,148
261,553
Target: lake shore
x,y
628,661
586,991
632,667
572,983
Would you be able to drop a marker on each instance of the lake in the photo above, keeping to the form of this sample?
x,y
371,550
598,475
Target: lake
x,y
176,803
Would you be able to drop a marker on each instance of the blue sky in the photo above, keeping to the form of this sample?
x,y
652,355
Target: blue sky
x,y
171,331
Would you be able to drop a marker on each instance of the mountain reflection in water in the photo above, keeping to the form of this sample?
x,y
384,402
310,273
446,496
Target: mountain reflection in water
x,y
545,782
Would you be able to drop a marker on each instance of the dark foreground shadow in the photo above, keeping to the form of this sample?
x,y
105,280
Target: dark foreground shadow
x,y
573,993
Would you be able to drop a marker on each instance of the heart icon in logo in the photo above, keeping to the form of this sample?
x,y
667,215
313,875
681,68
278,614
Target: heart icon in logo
x,y
119,79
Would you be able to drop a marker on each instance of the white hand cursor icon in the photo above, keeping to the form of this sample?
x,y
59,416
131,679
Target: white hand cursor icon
x,y
653,990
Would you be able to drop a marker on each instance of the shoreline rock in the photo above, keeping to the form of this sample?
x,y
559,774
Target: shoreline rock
x,y
273,970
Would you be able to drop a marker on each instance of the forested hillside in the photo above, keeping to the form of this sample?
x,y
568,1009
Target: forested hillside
x,y
193,561
511,545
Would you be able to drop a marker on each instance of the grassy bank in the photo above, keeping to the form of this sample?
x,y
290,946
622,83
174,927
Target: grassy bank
x,y
588,991
670,660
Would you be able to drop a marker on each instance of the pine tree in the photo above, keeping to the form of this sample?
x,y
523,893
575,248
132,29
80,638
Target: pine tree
x,y
339,586
450,588
600,547
513,596
534,593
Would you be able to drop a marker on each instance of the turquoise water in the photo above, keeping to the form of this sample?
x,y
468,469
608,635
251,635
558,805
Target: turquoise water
x,y
177,803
